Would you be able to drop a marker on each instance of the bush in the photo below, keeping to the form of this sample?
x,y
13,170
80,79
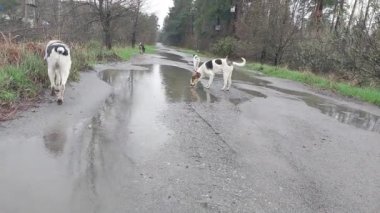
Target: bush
x,y
225,47
353,58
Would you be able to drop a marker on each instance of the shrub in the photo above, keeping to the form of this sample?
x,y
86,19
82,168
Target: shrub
x,y
225,47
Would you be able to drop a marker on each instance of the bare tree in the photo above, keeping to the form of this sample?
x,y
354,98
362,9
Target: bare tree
x,y
137,4
107,11
339,18
318,13
351,16
366,14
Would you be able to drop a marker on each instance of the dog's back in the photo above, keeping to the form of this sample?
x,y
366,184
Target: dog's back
x,y
55,48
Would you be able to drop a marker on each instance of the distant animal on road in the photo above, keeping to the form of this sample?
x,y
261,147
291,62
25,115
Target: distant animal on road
x,y
141,48
57,55
212,67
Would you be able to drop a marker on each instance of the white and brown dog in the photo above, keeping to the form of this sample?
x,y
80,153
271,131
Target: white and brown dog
x,y
57,55
212,67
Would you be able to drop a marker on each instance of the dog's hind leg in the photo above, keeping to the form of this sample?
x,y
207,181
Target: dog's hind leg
x,y
65,71
211,78
51,74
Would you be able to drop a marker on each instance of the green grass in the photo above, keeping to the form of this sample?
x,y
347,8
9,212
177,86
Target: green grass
x,y
15,84
368,94
127,53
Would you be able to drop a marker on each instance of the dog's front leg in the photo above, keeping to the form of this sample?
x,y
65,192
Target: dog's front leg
x,y
229,80
211,78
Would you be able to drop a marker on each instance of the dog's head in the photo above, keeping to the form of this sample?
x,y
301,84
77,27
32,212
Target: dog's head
x,y
195,78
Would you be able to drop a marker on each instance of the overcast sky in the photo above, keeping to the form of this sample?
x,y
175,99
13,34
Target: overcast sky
x,y
158,7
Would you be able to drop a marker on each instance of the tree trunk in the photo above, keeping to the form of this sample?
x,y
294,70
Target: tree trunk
x,y
318,13
276,58
135,23
263,55
366,14
283,32
107,34
340,14
351,16
133,39
334,16
107,39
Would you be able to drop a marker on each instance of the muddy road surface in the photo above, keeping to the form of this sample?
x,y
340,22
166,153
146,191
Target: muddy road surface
x,y
135,137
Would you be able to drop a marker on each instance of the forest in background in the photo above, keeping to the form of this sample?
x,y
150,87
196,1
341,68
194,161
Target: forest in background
x,y
330,37
119,21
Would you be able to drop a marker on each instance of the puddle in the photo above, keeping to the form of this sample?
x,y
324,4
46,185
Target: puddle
x,y
173,82
176,82
132,113
354,117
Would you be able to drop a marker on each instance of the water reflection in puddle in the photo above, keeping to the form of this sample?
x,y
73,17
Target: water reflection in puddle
x,y
354,117
54,140
174,83
343,114
131,115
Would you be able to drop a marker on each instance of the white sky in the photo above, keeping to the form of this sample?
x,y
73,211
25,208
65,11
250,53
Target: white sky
x,y
158,7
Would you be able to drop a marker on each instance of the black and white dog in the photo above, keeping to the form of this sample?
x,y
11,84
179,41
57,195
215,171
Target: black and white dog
x,y
212,67
57,55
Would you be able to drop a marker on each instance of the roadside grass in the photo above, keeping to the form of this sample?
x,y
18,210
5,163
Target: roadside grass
x,y
22,75
127,53
194,52
23,72
368,94
15,83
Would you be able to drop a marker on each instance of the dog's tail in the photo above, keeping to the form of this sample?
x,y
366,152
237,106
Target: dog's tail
x,y
242,64
196,61
61,50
